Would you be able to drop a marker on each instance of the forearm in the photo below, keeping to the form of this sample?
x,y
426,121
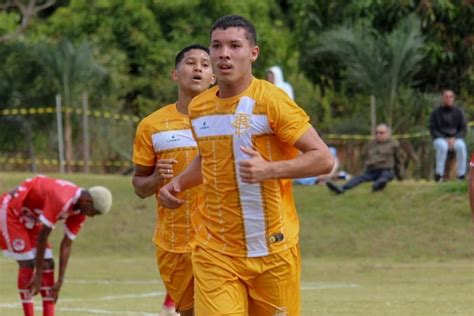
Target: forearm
x,y
312,163
40,250
146,186
65,252
191,176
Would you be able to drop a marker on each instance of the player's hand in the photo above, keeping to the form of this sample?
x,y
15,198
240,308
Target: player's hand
x,y
55,290
168,195
253,169
164,169
35,284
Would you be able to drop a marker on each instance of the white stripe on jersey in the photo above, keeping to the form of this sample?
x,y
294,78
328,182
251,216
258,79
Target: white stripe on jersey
x,y
242,125
173,139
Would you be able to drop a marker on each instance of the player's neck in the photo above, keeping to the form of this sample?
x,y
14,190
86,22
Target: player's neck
x,y
183,102
230,89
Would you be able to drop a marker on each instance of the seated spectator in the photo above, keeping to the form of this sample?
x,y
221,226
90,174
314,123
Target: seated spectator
x,y
448,129
382,154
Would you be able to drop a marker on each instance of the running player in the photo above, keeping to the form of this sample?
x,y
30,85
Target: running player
x,y
246,260
27,215
164,146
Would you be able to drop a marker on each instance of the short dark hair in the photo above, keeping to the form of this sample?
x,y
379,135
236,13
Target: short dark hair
x,y
227,21
180,55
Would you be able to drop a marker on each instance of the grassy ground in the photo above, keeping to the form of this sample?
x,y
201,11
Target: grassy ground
x,y
406,251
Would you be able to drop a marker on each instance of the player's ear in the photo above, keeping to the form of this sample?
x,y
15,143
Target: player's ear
x,y
254,51
174,75
213,80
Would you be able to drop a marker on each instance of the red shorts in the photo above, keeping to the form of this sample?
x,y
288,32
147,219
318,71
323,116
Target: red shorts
x,y
16,240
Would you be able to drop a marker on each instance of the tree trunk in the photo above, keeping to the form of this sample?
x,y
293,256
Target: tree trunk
x,y
59,122
31,146
373,114
69,151
85,132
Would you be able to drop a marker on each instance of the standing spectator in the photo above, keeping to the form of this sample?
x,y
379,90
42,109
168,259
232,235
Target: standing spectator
x,y
382,154
275,76
448,129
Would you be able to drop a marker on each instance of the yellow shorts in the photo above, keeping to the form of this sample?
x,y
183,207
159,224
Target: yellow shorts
x,y
263,286
177,274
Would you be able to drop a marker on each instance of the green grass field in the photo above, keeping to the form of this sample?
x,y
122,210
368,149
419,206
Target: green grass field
x,y
406,251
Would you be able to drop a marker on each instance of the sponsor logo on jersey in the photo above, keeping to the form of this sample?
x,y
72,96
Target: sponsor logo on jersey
x,y
204,126
18,244
173,139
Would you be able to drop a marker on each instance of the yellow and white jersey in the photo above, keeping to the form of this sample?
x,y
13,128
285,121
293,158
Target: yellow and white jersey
x,y
241,219
165,134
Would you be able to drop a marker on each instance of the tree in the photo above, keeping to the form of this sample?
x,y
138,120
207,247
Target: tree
x,y
26,11
380,65
74,70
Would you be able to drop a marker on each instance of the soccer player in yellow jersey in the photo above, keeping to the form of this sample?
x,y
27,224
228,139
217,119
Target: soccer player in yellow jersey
x,y
246,259
164,146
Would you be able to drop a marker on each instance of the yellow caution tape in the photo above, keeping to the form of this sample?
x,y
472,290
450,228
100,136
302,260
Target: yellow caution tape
x,y
132,118
369,137
77,111
55,162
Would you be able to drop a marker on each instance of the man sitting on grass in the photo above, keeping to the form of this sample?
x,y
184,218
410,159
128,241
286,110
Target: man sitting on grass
x,y
382,153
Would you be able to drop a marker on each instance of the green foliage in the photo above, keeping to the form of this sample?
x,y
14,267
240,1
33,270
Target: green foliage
x,y
378,64
9,22
72,68
445,24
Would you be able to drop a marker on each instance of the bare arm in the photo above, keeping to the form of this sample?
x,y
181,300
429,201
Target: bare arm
x,y
41,244
147,180
316,159
64,253
190,177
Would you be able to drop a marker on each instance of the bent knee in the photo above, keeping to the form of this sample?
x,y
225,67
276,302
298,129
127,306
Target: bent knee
x,y
440,144
459,144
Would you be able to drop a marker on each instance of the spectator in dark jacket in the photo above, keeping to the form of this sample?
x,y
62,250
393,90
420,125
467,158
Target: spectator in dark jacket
x,y
448,129
382,154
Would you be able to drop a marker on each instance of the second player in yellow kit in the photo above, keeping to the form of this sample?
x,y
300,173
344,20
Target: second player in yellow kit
x,y
164,146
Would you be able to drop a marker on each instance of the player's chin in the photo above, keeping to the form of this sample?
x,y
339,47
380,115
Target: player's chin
x,y
198,87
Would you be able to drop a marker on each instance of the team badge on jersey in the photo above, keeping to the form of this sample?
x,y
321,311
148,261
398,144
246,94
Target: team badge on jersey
x,y
241,123
18,244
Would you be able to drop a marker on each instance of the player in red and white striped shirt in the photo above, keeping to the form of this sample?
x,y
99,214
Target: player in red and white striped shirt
x,y
28,214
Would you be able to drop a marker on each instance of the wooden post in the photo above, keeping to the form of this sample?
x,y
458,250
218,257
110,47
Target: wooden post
x,y
373,114
85,131
59,120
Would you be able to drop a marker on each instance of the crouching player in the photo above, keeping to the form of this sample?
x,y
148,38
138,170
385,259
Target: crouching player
x,y
163,147
27,215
